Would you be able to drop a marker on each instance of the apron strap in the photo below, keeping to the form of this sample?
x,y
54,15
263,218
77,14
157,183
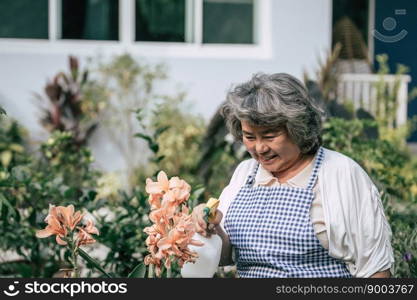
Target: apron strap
x,y
251,178
316,168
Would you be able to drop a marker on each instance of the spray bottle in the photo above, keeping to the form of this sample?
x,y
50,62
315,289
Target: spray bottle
x,y
209,254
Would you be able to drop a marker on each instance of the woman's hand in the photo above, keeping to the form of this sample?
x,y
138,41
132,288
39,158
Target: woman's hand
x,y
213,227
202,227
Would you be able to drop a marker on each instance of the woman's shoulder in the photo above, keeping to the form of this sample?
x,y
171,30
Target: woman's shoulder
x,y
246,165
337,160
242,171
336,163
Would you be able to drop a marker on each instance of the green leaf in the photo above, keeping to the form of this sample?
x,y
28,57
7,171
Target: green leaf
x,y
198,192
93,262
138,113
70,193
145,137
160,130
159,158
92,195
3,201
21,173
138,272
154,147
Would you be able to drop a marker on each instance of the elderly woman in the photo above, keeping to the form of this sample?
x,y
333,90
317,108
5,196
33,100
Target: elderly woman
x,y
295,209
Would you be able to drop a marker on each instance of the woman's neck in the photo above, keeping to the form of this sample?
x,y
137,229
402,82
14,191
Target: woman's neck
x,y
296,167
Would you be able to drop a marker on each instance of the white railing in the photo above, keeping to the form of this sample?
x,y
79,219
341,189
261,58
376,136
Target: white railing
x,y
361,90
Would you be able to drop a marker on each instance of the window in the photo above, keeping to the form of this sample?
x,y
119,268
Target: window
x,y
160,20
224,21
192,21
90,19
24,19
228,21
176,28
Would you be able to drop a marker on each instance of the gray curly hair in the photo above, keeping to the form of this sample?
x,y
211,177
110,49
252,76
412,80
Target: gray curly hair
x,y
278,101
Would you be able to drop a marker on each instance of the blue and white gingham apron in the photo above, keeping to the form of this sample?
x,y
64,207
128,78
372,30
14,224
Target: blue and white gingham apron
x,y
272,233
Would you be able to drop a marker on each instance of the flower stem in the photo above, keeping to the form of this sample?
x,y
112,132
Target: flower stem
x,y
74,256
150,271
169,274
75,263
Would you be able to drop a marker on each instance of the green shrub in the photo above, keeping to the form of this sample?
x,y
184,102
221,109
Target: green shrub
x,y
389,168
27,186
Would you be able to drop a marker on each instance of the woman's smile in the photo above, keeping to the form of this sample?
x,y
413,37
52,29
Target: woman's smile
x,y
267,160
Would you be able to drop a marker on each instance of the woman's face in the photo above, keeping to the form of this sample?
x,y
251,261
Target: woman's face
x,y
272,149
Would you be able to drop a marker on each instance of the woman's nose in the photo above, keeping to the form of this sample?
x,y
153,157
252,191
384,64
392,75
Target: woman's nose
x,y
260,147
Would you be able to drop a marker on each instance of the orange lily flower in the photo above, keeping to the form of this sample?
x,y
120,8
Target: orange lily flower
x,y
155,201
159,187
155,229
181,189
90,228
173,229
166,211
54,228
60,219
84,234
150,259
178,238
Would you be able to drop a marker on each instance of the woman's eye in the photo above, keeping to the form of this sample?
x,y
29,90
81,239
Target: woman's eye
x,y
251,138
269,137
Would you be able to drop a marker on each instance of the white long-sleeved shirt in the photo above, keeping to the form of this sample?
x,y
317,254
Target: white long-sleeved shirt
x,y
356,227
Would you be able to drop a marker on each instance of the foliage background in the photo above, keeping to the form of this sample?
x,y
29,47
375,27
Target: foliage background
x,y
122,96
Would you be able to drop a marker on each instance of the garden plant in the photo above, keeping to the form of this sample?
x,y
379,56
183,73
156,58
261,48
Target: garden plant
x,y
104,229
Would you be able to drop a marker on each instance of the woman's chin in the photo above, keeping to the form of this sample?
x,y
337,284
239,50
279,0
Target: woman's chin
x,y
268,163
271,168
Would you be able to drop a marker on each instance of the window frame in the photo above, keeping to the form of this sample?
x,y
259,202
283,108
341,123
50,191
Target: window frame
x,y
192,47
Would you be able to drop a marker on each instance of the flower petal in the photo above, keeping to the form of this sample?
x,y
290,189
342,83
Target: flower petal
x,y
164,244
175,182
90,228
168,263
163,179
76,219
158,270
155,201
196,243
44,233
154,188
56,227
52,213
67,214
60,241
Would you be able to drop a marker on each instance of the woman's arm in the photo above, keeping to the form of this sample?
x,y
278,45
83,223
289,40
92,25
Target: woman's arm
x,y
226,256
356,210
382,274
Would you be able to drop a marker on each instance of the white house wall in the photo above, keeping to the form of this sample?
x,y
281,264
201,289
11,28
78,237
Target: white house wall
x,y
299,31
